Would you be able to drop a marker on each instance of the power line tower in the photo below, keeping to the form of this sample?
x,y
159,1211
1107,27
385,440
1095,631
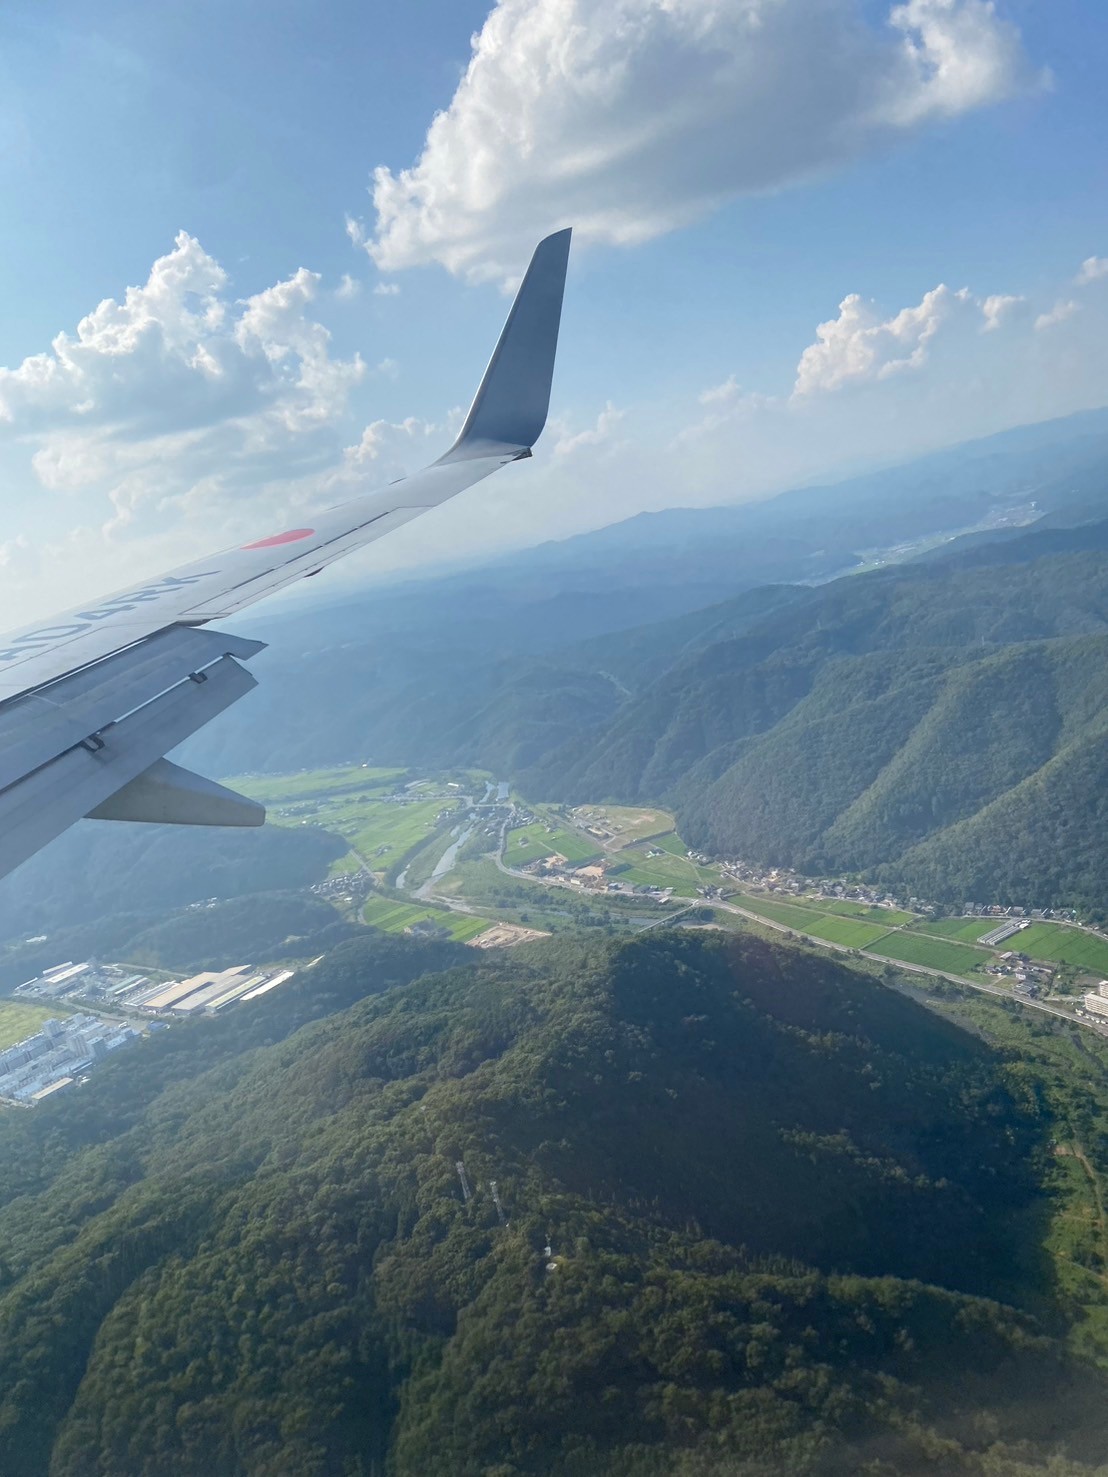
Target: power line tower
x,y
496,1202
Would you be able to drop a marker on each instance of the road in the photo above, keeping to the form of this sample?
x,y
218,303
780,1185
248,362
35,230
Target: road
x,y
954,979
924,969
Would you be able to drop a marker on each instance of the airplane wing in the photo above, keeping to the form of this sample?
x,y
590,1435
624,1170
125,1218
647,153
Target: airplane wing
x,y
91,701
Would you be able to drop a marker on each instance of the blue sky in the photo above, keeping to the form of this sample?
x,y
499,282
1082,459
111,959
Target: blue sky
x,y
736,170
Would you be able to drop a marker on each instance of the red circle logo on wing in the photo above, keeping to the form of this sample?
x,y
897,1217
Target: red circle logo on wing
x,y
292,537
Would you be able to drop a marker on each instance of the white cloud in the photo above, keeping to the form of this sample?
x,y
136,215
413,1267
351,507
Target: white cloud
x,y
177,407
722,394
11,548
399,447
386,289
1063,309
178,352
1093,268
348,288
858,345
997,309
628,118
600,434
160,457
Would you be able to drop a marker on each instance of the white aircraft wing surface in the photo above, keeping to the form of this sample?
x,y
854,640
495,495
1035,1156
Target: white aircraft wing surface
x,y
91,701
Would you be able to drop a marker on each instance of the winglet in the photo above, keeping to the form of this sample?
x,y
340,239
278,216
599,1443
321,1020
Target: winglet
x,y
510,407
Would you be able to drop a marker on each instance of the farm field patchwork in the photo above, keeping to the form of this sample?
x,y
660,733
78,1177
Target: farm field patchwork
x,y
889,917
934,953
1065,945
313,784
622,825
394,917
530,843
852,932
658,871
385,830
672,868
360,804
671,843
967,930
787,913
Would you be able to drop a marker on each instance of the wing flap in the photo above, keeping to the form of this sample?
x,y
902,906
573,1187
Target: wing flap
x,y
168,795
42,804
40,725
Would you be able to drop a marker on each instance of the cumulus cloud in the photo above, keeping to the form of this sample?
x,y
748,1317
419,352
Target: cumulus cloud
x,y
628,118
396,448
386,289
858,345
1093,268
178,352
566,442
997,309
176,405
348,288
1063,309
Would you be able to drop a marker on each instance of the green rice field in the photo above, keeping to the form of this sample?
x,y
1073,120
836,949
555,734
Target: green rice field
x,y
671,843
889,917
530,843
967,930
1055,942
851,932
787,913
313,784
934,953
394,917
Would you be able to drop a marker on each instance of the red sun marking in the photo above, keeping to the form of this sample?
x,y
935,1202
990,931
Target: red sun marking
x,y
292,537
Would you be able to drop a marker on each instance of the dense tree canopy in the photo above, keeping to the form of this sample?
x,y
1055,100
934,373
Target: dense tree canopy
x,y
795,1222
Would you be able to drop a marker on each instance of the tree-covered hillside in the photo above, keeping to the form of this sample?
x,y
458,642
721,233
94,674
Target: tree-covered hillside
x,y
940,725
753,1213
99,870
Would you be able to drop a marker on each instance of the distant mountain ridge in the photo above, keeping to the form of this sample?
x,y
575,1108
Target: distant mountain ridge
x,y
871,722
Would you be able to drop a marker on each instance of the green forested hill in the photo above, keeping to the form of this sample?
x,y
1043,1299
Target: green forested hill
x,y
926,721
97,871
795,1220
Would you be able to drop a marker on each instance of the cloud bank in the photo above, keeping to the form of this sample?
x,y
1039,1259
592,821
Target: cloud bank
x,y
179,419
629,118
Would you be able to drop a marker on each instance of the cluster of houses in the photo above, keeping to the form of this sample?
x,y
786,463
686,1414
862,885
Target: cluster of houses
x,y
1038,915
786,883
594,876
1028,978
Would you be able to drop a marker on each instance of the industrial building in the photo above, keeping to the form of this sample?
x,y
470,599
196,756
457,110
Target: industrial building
x,y
58,1055
115,985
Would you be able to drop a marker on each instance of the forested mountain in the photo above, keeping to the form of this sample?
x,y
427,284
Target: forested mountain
x,y
945,724
761,1215
489,664
931,722
99,871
